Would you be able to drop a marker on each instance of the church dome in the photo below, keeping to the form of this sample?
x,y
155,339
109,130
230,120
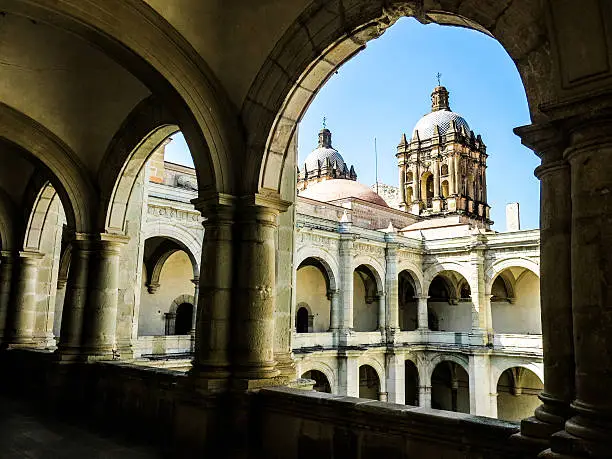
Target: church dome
x,y
335,189
323,152
441,116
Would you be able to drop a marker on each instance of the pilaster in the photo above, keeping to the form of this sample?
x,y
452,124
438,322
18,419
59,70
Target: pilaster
x,y
6,275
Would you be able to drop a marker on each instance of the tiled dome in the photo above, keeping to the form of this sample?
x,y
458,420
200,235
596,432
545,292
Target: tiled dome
x,y
332,190
440,118
322,152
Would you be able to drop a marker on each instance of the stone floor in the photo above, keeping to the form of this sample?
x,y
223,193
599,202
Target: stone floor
x,y
26,434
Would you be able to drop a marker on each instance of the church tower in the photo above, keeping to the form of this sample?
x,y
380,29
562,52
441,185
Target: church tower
x,y
442,168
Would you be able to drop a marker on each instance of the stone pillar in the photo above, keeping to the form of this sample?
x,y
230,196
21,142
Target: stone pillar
x,y
211,361
100,313
587,433
402,182
346,278
6,275
382,310
391,285
480,385
336,309
20,331
451,176
255,280
417,182
196,296
348,375
481,304
456,160
396,374
69,346
424,396
436,175
555,282
422,313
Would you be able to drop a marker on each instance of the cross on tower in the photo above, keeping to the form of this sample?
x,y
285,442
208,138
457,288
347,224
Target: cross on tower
x,y
438,75
324,122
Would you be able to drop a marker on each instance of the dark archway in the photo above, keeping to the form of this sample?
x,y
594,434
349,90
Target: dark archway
x,y
407,303
301,320
450,388
411,383
321,382
184,316
369,383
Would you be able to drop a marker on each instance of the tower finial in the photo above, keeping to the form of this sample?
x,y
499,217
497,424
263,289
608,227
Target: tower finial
x,y
439,99
438,75
324,119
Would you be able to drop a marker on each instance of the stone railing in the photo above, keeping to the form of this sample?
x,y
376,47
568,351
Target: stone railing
x,y
296,424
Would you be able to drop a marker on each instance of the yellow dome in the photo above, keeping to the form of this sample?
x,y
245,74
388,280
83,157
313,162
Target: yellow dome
x,y
335,189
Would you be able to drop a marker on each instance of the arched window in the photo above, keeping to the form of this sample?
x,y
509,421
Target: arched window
x,y
184,316
444,170
409,194
409,177
369,384
445,192
301,321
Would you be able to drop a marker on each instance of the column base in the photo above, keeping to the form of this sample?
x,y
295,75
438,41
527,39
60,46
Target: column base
x,y
241,384
286,364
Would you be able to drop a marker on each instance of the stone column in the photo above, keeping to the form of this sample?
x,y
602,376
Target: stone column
x,y
555,284
211,361
391,285
382,310
346,278
348,374
100,313
417,182
422,313
396,369
6,275
20,331
336,309
69,346
425,396
480,385
587,433
255,280
436,175
481,304
451,176
456,160
402,182
196,295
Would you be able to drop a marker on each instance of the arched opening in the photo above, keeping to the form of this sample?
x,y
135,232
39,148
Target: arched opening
x,y
409,194
168,271
427,188
450,387
312,289
517,394
411,383
369,383
444,170
449,306
515,302
407,303
409,177
302,320
184,319
365,299
321,382
445,189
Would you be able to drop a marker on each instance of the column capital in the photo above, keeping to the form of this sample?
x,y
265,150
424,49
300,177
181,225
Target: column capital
x,y
31,256
208,201
195,281
267,201
547,140
421,297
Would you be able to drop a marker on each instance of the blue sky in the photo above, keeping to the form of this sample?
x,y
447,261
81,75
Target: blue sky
x,y
383,91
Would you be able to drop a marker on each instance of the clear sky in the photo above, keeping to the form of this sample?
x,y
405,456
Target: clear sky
x,y
383,91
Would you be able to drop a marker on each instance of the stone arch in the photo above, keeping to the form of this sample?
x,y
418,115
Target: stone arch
x,y
323,257
499,266
64,266
415,273
328,35
324,368
187,240
180,300
143,131
378,368
377,269
459,359
67,173
37,217
166,63
437,268
155,264
497,368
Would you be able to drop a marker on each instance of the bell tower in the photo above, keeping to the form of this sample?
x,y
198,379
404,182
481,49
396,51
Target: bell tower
x,y
442,167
